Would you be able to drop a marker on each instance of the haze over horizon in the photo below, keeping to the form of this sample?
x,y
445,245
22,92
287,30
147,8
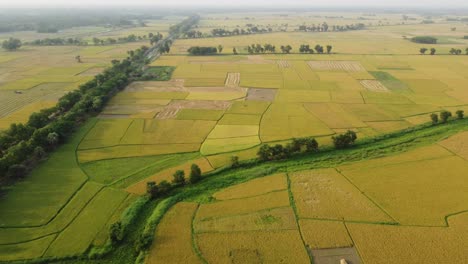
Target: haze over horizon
x,y
239,3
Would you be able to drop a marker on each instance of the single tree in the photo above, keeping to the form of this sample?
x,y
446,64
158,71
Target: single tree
x,y
422,51
445,115
220,48
329,49
164,187
11,44
116,232
195,174
234,51
235,162
78,58
433,51
179,178
434,119
152,189
311,145
460,114
53,139
344,140
264,153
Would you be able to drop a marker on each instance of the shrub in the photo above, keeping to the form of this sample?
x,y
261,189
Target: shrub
x,y
197,50
152,189
444,116
179,177
460,114
344,140
195,174
434,119
424,40
116,233
235,162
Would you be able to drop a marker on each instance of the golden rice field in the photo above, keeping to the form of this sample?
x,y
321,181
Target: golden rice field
x,y
340,208
409,207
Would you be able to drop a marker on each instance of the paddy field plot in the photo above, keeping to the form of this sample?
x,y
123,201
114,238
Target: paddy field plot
x,y
173,238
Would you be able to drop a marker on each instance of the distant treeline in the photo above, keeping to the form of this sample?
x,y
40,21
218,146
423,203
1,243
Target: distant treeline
x,y
22,146
221,32
325,27
53,20
197,50
154,38
424,40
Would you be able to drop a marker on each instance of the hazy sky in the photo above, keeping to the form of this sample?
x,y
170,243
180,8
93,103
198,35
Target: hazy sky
x,y
322,3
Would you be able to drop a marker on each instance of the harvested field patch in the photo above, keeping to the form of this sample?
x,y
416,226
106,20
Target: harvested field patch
x,y
233,79
412,200
253,247
173,238
267,95
140,187
319,234
374,86
271,219
412,244
349,66
335,255
253,187
240,119
327,194
243,206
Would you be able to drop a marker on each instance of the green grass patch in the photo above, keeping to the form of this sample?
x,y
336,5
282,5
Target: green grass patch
x,y
200,114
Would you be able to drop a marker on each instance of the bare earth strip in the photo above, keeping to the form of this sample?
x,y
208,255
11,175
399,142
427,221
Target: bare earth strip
x,y
374,86
350,66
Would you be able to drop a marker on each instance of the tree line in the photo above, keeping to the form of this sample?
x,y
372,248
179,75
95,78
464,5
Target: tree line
x,y
22,146
445,115
324,27
221,32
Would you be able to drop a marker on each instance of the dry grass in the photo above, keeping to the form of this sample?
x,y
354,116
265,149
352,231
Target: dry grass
x,y
349,66
374,86
233,79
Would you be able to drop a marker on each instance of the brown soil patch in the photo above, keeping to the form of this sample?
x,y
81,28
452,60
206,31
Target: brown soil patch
x,y
255,94
349,66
